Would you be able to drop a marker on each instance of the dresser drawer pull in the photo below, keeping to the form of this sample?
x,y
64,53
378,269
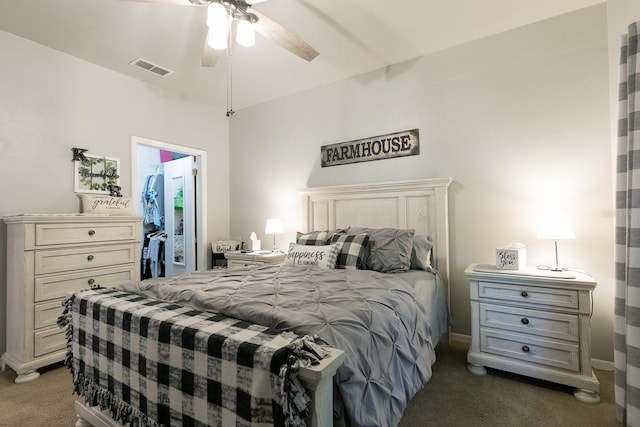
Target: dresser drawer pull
x,y
525,348
524,294
91,282
90,258
92,232
525,321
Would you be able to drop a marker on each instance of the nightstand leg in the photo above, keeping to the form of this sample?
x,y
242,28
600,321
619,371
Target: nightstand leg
x,y
586,396
476,369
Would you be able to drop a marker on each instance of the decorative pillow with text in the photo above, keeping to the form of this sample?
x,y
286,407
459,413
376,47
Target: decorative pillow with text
x,y
312,256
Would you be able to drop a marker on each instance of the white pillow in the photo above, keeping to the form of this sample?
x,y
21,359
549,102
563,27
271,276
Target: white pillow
x,y
115,206
313,256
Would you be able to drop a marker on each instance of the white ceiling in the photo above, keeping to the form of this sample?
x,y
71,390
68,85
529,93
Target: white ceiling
x,y
352,37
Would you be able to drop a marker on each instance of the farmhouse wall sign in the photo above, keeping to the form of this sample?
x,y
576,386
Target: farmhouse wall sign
x,y
398,144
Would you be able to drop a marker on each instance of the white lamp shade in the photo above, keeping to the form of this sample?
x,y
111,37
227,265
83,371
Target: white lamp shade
x,y
274,226
245,35
217,40
555,227
217,16
218,23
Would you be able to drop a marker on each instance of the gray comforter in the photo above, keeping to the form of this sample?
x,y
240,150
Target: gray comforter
x,y
372,316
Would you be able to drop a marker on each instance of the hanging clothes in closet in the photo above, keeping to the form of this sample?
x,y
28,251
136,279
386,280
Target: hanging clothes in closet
x,y
153,261
153,199
152,258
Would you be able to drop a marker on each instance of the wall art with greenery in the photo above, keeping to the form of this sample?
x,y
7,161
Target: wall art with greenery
x,y
96,174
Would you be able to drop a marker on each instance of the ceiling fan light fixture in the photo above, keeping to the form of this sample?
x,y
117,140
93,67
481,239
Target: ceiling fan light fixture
x,y
217,39
245,34
217,16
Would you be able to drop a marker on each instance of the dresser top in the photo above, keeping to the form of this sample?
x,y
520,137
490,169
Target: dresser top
x,y
65,218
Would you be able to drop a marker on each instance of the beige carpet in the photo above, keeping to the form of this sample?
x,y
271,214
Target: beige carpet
x,y
453,397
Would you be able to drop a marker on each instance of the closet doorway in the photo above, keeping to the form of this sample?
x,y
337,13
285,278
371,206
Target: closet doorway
x,y
169,188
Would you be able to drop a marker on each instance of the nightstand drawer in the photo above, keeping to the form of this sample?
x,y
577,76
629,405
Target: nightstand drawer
x,y
547,324
57,261
529,295
64,234
529,349
236,263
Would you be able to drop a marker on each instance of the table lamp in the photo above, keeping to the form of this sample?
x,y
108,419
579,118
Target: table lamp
x,y
556,227
274,226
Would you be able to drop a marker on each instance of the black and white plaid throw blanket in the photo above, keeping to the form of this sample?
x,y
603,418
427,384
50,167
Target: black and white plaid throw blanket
x,y
152,362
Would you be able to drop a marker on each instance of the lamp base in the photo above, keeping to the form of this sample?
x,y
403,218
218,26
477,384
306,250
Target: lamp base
x,y
554,269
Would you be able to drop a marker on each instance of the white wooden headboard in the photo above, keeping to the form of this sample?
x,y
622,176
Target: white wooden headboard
x,y
418,204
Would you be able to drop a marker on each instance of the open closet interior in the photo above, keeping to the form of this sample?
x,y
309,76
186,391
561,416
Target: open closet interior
x,y
167,204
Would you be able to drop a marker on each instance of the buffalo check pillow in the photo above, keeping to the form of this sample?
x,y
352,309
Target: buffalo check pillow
x,y
352,250
313,238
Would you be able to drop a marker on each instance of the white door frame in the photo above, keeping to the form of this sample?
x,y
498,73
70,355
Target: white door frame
x,y
201,187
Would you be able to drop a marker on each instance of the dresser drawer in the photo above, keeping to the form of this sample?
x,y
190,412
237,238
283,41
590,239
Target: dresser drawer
x,y
61,260
530,349
48,341
46,314
547,324
64,234
52,287
528,295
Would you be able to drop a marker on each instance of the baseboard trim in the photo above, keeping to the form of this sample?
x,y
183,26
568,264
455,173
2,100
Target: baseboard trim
x,y
602,365
460,338
599,364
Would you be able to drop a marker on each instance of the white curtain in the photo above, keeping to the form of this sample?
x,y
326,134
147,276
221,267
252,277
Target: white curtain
x,y
627,302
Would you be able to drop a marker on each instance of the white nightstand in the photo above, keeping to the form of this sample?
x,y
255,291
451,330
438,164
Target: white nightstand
x,y
242,259
534,323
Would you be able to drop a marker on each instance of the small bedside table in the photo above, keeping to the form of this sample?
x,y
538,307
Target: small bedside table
x,y
242,259
534,323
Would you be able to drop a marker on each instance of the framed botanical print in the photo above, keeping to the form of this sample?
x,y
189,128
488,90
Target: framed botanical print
x,y
95,174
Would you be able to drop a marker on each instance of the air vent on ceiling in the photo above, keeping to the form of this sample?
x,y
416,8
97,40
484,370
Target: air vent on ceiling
x,y
150,67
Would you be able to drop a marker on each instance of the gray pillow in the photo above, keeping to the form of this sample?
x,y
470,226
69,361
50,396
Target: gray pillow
x,y
389,249
421,253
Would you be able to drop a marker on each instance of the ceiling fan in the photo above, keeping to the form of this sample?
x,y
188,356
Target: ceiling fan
x,y
220,16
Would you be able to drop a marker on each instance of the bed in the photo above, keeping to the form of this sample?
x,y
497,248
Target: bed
x,y
346,282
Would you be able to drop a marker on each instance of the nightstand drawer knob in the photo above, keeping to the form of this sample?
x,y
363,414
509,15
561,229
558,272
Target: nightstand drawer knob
x,y
91,282
90,258
525,321
524,294
92,232
525,348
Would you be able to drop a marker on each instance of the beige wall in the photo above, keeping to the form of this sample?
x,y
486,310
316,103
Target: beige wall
x,y
520,120
51,102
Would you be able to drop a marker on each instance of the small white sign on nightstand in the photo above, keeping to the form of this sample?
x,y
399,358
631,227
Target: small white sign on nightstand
x,y
511,257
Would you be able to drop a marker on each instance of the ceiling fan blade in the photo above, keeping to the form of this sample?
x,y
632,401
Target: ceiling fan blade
x,y
252,2
285,38
181,2
210,55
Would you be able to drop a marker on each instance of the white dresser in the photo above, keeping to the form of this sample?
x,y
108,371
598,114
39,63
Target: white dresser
x,y
534,323
48,256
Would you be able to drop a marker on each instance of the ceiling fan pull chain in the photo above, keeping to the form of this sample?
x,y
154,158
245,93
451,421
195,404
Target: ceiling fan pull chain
x,y
230,81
